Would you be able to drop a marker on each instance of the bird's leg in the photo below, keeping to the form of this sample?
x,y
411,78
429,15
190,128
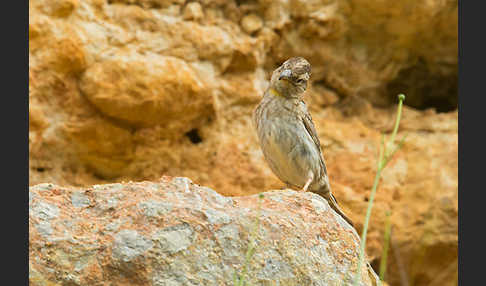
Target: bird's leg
x,y
307,184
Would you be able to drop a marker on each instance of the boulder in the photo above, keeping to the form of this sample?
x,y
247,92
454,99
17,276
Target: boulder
x,y
174,232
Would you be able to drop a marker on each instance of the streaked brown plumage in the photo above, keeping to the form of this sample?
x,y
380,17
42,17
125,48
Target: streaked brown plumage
x,y
287,134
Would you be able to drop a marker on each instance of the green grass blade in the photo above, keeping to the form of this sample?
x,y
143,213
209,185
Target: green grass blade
x,y
386,244
382,161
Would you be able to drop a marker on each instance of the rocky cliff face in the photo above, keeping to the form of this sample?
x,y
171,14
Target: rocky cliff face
x,y
133,90
172,232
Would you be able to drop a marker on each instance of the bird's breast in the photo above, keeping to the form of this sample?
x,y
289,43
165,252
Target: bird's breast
x,y
287,147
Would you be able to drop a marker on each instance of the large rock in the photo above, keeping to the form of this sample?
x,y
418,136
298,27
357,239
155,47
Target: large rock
x,y
135,89
173,232
146,92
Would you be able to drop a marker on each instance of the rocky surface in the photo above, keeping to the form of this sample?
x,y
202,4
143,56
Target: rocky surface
x,y
173,232
135,89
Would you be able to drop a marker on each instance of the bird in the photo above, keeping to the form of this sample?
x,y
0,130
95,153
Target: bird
x,y
287,135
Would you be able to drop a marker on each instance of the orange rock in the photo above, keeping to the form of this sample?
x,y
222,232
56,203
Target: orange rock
x,y
162,91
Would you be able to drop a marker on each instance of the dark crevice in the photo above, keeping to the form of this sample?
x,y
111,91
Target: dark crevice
x,y
40,169
194,136
245,2
425,88
99,176
146,5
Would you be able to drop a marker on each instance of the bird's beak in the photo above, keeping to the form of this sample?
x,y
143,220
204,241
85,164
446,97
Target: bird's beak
x,y
285,74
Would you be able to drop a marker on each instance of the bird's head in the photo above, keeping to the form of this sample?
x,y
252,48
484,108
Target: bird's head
x,y
290,79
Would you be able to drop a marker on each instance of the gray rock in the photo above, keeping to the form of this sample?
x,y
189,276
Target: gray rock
x,y
44,228
213,196
182,183
129,244
113,226
107,200
45,211
175,238
275,269
155,208
43,187
217,217
31,197
183,234
79,200
228,237
109,187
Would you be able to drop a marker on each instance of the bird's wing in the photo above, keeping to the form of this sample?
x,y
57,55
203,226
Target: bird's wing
x,y
311,130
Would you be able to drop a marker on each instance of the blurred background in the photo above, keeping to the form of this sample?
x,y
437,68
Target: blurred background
x,y
125,90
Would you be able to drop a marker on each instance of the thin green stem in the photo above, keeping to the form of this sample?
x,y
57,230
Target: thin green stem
x,y
382,152
386,244
395,150
383,159
365,226
401,98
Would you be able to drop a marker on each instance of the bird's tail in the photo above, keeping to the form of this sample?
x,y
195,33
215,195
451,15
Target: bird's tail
x,y
326,193
334,205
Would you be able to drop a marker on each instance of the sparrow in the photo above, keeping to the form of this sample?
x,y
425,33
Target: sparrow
x,y
287,135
